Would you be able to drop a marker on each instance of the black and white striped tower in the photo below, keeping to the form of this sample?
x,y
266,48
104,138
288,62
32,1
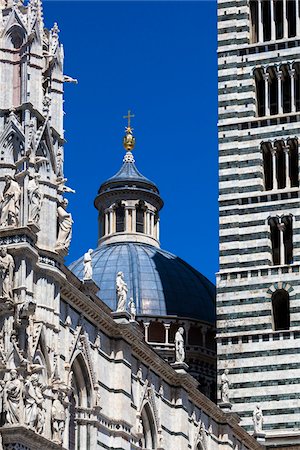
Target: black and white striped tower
x,y
258,303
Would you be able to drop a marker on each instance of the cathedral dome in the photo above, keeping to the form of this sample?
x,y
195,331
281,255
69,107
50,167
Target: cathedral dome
x,y
161,283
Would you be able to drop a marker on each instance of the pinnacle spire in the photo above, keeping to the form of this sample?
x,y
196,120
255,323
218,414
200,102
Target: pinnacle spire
x,y
129,139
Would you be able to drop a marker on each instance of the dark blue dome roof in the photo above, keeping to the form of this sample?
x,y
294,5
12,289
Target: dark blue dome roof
x,y
160,282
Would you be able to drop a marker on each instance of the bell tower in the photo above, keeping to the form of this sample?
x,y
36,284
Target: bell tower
x,y
258,283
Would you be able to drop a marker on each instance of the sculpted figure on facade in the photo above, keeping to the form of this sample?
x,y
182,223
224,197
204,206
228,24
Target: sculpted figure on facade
x,y
87,265
258,420
225,386
132,308
12,398
179,346
35,198
121,290
34,400
58,419
64,226
10,202
7,266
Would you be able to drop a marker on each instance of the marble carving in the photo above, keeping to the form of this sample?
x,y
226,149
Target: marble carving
x,y
121,290
179,346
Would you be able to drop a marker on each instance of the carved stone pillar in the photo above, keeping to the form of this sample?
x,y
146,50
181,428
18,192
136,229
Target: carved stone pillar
x,y
293,98
111,221
274,169
281,227
267,94
146,327
133,220
280,96
152,224
167,329
106,223
297,19
260,24
286,150
284,18
126,225
273,24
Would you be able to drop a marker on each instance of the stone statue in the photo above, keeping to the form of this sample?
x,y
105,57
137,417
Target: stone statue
x,y
35,198
121,289
34,399
7,266
225,386
87,265
132,308
58,420
258,420
12,398
179,346
64,226
10,202
59,162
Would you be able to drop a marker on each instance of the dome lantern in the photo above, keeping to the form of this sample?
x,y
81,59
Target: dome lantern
x,y
128,203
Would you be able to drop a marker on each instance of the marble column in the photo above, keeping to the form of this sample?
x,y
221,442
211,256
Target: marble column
x,y
274,168
281,228
152,224
267,94
280,96
146,327
133,220
106,223
167,329
285,22
286,150
292,73
111,221
260,23
297,19
273,23
126,227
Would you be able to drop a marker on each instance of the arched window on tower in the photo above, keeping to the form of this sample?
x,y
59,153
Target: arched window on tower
x,y
273,90
281,310
260,91
140,222
286,89
291,17
294,162
148,440
266,15
287,239
282,239
254,20
120,218
278,15
268,165
275,239
280,164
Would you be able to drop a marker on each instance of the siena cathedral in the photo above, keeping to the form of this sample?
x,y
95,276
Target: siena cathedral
x,y
130,347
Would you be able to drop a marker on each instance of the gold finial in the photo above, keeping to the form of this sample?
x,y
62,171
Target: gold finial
x,y
128,140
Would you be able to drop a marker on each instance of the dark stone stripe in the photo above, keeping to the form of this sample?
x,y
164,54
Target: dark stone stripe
x,y
231,4
245,237
266,368
254,223
245,251
243,329
251,314
234,265
263,353
265,383
259,209
230,115
233,17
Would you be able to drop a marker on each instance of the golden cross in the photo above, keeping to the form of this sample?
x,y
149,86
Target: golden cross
x,y
129,116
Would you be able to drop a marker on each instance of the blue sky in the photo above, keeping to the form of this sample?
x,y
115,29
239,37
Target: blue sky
x,y
159,60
